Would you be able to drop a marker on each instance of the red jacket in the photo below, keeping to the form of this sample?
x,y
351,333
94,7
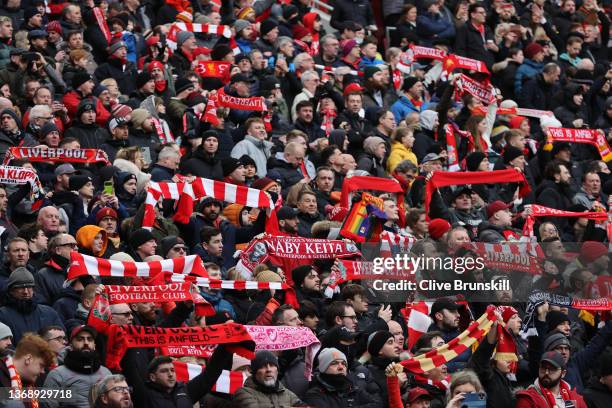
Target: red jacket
x,y
72,99
532,398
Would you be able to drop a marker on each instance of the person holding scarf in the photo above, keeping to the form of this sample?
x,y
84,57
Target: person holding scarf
x,y
474,39
383,351
182,58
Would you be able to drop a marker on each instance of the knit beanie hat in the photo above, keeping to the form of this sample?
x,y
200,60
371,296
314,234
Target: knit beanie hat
x,y
555,340
371,143
80,78
210,133
438,227
139,116
369,71
261,359
507,312
247,160
182,84
377,341
106,212
20,278
348,47
76,182
142,79
409,83
328,356
85,105
473,160
219,52
166,244
555,318
229,164
5,331
267,26
116,46
591,250
516,121
299,274
54,26
511,153
240,25
183,36
532,50
139,237
47,128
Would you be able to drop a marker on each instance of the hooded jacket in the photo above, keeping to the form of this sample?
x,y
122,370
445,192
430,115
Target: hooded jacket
x,y
338,391
258,150
85,238
569,111
17,139
50,279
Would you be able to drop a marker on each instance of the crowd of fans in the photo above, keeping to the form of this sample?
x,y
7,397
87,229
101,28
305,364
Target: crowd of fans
x,y
134,79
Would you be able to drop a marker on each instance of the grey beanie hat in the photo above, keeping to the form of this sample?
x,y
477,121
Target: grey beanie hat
x,y
554,340
240,25
5,331
115,46
20,278
183,36
328,356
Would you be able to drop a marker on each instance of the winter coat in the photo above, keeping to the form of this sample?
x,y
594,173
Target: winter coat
x,y
306,223
372,165
569,112
18,139
376,384
286,173
403,106
597,395
459,362
202,164
258,150
179,62
433,27
66,305
398,154
555,195
470,43
495,383
148,142
322,394
125,75
79,382
359,130
31,320
142,178
253,395
532,398
161,173
538,94
312,129
112,146
488,232
90,136
50,280
528,69
72,99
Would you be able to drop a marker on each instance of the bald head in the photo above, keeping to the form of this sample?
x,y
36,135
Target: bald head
x,y
5,103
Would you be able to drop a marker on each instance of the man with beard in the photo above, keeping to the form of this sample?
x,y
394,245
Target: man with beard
x,y
445,316
333,387
376,94
307,284
383,350
308,213
50,279
549,390
81,368
288,221
555,192
263,389
21,312
112,392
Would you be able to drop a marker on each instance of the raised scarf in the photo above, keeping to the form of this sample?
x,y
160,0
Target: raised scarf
x,y
523,257
442,385
376,184
214,69
594,137
56,155
541,211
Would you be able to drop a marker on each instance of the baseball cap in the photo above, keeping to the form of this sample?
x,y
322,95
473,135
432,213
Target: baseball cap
x,y
353,87
553,358
418,392
443,303
462,190
431,157
496,206
240,78
65,168
83,328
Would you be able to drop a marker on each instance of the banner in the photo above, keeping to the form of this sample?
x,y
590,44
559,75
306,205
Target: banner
x,y
441,179
254,103
447,352
364,221
291,252
541,211
509,256
391,243
173,292
90,265
122,337
214,69
481,91
38,154
202,351
594,137
225,284
23,175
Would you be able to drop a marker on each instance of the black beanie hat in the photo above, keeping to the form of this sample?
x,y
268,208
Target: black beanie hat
x,y
229,164
210,133
182,84
219,52
167,243
473,160
76,182
142,79
409,83
555,318
377,341
261,359
139,237
247,160
299,274
511,153
267,26
47,128
79,79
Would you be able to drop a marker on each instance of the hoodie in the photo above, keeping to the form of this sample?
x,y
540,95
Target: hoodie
x,y
85,238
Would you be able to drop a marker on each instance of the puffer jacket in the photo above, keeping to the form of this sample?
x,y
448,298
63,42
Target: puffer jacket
x,y
30,318
398,154
258,150
253,395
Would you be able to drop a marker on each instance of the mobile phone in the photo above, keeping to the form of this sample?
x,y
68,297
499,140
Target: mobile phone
x,y
109,188
474,400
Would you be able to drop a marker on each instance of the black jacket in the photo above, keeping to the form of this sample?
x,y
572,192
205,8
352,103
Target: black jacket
x,y
537,94
469,43
125,77
202,164
306,223
555,195
597,395
343,394
359,129
50,280
90,136
279,169
179,62
359,11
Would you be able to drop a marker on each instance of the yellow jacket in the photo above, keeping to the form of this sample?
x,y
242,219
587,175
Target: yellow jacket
x,y
398,154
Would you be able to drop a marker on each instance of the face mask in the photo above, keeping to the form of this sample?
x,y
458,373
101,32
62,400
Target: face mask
x,y
358,40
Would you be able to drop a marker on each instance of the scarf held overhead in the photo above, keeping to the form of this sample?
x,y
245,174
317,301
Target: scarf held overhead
x,y
594,137
541,211
375,184
228,382
37,154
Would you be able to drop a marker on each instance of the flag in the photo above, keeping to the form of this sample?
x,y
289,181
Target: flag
x,y
364,221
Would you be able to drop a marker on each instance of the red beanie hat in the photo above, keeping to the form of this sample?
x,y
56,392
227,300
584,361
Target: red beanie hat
x,y
591,250
507,312
438,227
516,121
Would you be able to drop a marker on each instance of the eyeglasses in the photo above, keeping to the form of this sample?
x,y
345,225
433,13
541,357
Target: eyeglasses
x,y
352,317
179,249
121,390
70,244
58,338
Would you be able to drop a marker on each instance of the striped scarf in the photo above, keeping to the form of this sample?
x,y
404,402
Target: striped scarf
x,y
16,383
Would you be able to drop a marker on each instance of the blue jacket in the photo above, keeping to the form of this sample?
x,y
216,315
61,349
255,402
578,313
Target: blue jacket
x,y
217,301
367,62
528,69
403,107
433,26
21,323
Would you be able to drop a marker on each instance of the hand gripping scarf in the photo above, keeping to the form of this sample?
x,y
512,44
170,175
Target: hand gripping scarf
x,y
228,382
541,211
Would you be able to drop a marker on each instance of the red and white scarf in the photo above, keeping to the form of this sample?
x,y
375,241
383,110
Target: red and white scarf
x,y
594,137
16,383
228,382
37,154
510,256
327,68
551,402
442,385
81,265
328,120
453,61
541,211
417,321
209,283
23,175
483,91
101,21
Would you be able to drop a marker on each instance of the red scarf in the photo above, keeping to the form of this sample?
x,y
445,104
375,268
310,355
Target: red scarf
x,y
564,390
160,86
442,385
16,384
377,184
541,211
56,155
441,179
101,21
397,79
594,137
328,121
214,69
120,338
